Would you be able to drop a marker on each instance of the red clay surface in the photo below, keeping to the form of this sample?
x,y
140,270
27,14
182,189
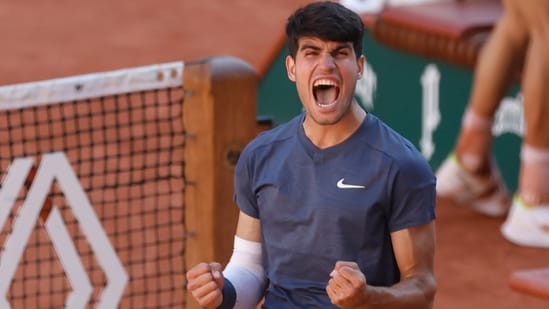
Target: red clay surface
x,y
47,39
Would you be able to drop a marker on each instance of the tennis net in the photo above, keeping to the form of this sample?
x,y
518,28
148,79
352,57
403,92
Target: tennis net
x,y
91,200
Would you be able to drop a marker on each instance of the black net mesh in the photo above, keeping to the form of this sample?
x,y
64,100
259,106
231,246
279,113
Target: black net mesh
x,y
127,153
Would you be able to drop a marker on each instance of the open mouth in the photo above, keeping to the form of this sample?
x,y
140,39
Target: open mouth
x,y
325,92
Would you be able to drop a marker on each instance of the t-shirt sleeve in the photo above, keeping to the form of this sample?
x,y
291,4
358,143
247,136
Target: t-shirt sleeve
x,y
244,195
412,194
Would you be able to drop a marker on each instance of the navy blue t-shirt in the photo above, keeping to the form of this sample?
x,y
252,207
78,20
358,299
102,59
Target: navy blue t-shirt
x,y
318,206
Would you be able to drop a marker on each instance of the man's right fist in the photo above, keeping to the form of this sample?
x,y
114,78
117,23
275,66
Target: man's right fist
x,y
205,282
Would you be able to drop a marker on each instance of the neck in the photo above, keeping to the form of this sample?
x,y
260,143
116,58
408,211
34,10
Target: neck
x,y
324,136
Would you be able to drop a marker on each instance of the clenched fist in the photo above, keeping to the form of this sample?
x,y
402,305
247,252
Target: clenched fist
x,y
205,282
347,286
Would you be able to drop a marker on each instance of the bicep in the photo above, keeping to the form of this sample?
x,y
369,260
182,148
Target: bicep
x,y
248,227
414,249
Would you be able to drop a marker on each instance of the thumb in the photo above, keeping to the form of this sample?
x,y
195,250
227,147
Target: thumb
x,y
215,269
345,264
346,268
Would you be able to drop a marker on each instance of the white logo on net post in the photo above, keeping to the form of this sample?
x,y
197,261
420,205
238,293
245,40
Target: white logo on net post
x,y
55,166
342,185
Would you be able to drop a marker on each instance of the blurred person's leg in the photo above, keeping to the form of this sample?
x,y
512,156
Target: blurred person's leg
x,y
497,66
534,177
528,221
469,175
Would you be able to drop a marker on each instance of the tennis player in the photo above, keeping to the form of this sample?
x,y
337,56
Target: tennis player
x,y
336,208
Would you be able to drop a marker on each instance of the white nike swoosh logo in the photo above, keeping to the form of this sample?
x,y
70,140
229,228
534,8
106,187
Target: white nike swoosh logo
x,y
342,185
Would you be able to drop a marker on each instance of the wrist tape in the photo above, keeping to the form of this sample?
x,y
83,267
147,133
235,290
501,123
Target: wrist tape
x,y
245,273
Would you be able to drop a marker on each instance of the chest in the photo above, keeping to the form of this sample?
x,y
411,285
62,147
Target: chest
x,y
341,192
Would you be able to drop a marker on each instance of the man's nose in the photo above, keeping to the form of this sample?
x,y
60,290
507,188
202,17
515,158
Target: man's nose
x,y
327,62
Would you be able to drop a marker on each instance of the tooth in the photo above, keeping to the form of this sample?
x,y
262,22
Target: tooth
x,y
324,82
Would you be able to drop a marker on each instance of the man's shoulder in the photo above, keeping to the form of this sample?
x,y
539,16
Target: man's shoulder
x,y
279,133
266,141
397,147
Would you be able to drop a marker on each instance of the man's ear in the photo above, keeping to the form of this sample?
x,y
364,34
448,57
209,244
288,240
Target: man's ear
x,y
361,61
290,67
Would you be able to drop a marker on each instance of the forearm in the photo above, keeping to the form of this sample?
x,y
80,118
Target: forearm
x,y
245,274
413,292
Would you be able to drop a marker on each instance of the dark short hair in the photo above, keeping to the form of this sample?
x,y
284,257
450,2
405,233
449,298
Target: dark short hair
x,y
329,21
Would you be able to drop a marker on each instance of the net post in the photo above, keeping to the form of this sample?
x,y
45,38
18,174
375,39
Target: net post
x,y
220,114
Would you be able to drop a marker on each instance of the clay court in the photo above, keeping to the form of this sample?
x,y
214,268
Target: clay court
x,y
50,39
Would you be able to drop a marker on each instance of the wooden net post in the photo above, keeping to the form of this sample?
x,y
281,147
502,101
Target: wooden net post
x,y
219,116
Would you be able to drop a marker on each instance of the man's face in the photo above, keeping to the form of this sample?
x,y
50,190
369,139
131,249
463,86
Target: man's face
x,y
325,74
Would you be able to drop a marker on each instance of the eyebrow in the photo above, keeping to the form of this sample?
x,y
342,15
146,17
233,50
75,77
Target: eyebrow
x,y
339,47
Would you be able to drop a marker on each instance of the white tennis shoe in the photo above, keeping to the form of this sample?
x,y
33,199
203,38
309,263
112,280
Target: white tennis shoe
x,y
526,225
486,195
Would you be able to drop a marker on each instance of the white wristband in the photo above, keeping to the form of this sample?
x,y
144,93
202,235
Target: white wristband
x,y
246,273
